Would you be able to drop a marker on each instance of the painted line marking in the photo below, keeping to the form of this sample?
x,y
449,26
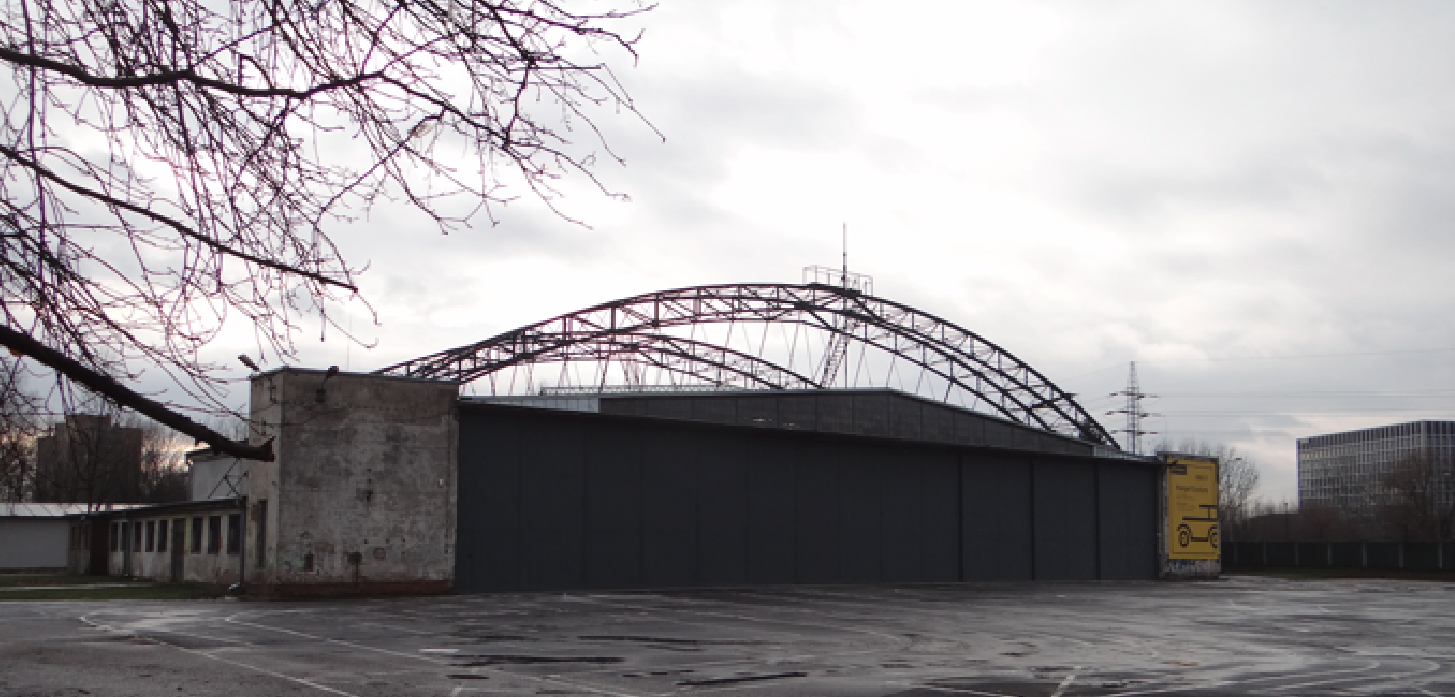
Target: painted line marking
x,y
1070,678
550,680
1336,680
264,671
963,691
1225,683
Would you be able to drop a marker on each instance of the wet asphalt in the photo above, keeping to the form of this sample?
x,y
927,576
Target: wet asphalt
x,y
1238,636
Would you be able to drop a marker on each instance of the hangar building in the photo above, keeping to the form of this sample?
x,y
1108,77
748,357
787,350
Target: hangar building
x,y
394,482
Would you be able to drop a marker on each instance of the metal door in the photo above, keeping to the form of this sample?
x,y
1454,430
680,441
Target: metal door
x,y
179,539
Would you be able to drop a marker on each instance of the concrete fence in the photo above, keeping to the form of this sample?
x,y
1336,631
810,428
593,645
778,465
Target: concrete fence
x,y
1408,556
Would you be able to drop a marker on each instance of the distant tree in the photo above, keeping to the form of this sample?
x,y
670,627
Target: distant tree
x,y
163,473
168,164
21,422
1417,495
1238,477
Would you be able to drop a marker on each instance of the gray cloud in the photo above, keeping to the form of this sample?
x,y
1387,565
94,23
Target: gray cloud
x,y
1085,186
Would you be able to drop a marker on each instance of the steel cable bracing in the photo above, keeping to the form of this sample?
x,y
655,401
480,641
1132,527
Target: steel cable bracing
x,y
631,329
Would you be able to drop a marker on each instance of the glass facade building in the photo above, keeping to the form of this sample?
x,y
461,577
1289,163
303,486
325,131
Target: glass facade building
x,y
1347,470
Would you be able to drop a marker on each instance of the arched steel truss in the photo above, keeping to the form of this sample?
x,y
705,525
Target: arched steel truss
x,y
634,327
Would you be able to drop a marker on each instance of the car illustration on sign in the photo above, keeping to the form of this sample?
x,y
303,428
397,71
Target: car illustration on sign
x,y
1185,531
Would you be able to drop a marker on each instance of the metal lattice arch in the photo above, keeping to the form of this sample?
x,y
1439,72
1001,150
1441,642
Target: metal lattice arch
x,y
761,336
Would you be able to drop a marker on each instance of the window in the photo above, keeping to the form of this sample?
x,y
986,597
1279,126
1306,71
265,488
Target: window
x,y
136,535
234,533
214,534
115,536
151,536
162,536
196,536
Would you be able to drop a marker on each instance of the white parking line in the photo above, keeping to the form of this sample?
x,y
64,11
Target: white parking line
x,y
413,656
240,664
1061,689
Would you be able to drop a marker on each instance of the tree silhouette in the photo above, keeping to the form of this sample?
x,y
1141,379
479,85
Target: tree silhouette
x,y
169,164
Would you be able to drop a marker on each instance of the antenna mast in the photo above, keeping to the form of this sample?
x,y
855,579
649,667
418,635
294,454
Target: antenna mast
x,y
1134,396
844,277
851,286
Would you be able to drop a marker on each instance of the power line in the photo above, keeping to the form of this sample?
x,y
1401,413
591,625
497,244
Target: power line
x,y
1306,395
1391,352
1300,413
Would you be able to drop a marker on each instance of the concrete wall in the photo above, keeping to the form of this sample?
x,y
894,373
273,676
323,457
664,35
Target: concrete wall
x,y
34,543
361,496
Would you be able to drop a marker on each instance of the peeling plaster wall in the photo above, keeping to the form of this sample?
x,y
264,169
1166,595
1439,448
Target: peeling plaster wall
x,y
362,494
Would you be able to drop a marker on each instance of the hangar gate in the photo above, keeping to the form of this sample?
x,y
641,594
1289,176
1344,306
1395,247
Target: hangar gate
x,y
634,490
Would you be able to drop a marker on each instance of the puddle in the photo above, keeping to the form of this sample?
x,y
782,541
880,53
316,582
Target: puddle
x,y
743,678
503,660
670,640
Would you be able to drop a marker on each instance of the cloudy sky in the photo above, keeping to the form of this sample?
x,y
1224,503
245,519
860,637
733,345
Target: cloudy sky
x,y
1251,200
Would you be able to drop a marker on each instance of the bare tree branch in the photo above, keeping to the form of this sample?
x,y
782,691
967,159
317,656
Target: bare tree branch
x,y
114,391
169,166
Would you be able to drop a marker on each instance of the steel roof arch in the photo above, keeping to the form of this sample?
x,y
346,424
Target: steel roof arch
x,y
959,356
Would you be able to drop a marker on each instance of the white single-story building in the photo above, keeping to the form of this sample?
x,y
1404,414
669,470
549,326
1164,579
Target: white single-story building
x,y
37,537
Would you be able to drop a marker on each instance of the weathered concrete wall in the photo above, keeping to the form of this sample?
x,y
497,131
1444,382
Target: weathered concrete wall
x,y
362,494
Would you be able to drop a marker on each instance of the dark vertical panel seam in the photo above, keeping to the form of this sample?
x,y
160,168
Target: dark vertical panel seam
x,y
960,514
1096,514
582,542
519,507
794,462
697,545
1035,571
696,464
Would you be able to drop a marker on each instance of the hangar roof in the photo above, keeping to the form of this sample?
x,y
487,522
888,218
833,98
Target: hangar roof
x,y
868,412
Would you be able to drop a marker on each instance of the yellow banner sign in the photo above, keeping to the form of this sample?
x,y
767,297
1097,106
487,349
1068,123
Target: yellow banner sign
x,y
1192,509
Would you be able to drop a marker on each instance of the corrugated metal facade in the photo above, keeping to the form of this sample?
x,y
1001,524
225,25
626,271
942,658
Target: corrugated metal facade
x,y
561,500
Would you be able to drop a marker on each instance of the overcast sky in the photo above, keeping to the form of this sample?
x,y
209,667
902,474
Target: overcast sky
x,y
1252,200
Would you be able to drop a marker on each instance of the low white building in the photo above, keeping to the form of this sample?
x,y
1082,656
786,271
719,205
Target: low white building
x,y
191,541
36,537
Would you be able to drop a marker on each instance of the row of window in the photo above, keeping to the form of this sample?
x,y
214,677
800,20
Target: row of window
x,y
154,535
1414,428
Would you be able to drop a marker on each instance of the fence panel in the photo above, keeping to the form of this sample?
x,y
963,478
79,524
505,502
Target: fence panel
x,y
1383,555
1346,554
1422,556
1313,554
1281,553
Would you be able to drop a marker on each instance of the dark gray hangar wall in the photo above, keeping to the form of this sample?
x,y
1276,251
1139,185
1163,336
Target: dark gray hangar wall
x,y
566,500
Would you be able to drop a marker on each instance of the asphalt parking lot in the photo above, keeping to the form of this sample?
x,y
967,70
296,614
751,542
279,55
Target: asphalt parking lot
x,y
1240,636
